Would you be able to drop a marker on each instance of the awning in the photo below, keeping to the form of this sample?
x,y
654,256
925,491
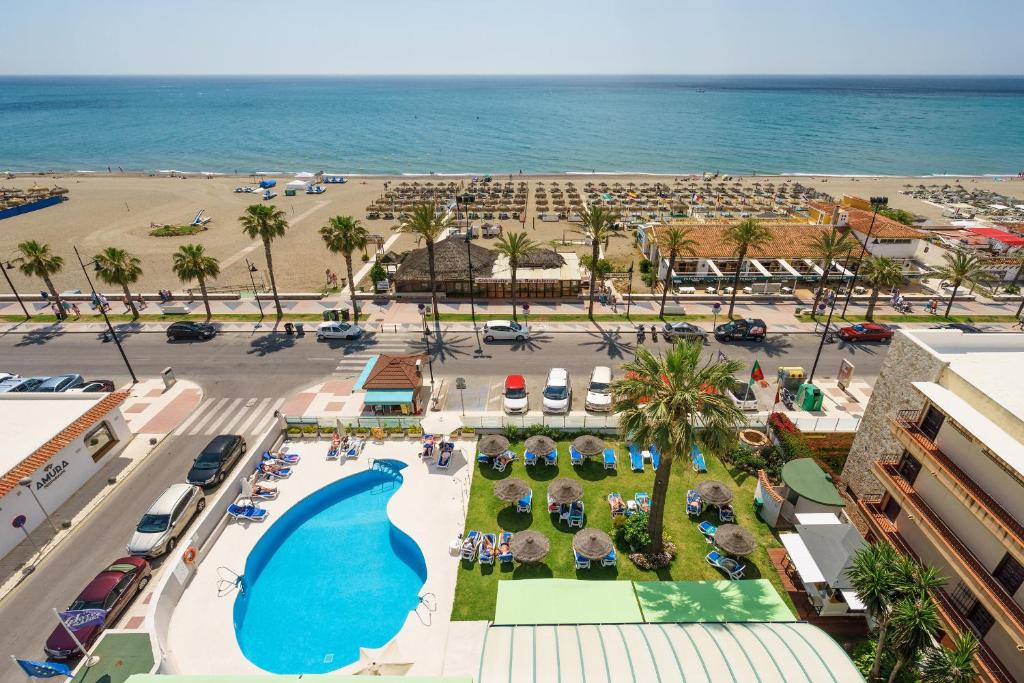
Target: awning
x,y
388,397
757,264
788,268
810,518
358,386
854,601
801,558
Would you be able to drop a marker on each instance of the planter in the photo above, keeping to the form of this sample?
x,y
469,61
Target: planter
x,y
753,440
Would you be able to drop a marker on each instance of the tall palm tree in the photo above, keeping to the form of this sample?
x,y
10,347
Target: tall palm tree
x,y
879,272
874,576
267,223
953,664
514,247
661,399
425,225
744,236
960,266
597,227
676,241
915,621
192,263
827,247
115,266
38,261
344,235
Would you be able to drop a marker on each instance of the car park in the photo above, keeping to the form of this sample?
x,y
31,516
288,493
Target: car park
x,y
599,390
112,590
216,460
166,519
743,329
19,384
514,397
93,386
557,391
742,395
505,330
59,383
685,331
338,330
865,332
184,329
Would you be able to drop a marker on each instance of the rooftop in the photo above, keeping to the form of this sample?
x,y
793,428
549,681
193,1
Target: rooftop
x,y
395,372
809,481
1001,235
787,240
859,220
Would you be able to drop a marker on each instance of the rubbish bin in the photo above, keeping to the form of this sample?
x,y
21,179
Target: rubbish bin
x,y
791,377
331,314
344,315
809,397
289,328
300,329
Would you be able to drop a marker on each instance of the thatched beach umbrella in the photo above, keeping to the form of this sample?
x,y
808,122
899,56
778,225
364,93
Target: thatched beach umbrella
x,y
564,491
714,492
511,489
492,445
539,445
592,543
529,546
588,445
735,540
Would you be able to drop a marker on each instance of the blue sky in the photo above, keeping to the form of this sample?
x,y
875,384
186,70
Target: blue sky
x,y
512,37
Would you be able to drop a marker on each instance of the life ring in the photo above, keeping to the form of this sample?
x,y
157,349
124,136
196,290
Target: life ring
x,y
189,556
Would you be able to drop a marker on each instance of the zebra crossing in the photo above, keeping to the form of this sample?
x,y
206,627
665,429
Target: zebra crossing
x,y
230,416
353,362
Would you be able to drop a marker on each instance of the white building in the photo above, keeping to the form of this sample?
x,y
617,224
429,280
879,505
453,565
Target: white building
x,y
55,442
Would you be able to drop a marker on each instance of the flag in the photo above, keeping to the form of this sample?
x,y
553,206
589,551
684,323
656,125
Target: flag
x,y
755,373
82,618
778,390
43,669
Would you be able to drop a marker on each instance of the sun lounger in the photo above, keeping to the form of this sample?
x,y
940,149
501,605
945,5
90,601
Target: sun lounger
x,y
488,548
708,529
611,462
355,447
336,445
283,458
693,505
444,459
581,562
269,492
631,508
483,458
504,547
655,456
731,567
636,458
529,458
427,452
726,513
470,545
283,473
525,504
575,457
610,559
576,514
643,501
249,512
551,458
617,505
504,460
697,458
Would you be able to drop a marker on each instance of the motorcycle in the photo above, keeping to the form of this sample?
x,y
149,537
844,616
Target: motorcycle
x,y
788,398
654,333
640,336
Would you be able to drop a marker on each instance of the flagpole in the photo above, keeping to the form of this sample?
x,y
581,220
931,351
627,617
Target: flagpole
x,y
81,648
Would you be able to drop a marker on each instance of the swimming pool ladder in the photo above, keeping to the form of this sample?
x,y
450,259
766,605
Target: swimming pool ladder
x,y
428,601
228,581
383,466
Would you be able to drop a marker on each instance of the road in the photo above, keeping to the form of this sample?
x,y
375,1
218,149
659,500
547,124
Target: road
x,y
245,375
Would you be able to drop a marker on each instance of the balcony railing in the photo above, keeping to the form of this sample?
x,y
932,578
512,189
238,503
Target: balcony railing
x,y
989,666
905,420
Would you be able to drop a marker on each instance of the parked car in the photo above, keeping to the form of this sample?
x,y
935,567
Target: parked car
x,y
59,383
216,460
963,327
94,385
557,391
514,399
744,329
338,330
687,331
505,330
742,395
865,332
599,392
165,520
18,384
112,590
184,329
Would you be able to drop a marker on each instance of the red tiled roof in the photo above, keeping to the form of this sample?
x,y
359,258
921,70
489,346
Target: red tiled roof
x,y
997,234
395,372
32,463
860,220
787,241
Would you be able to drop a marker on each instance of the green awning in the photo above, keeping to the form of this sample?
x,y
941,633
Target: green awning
x,y
711,601
566,601
388,397
808,480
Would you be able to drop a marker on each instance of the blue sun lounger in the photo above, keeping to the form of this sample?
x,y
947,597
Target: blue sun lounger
x,y
636,460
551,458
693,505
575,457
529,458
728,565
611,461
698,459
470,545
249,512
283,458
504,549
655,456
581,562
525,504
708,529
488,547
610,559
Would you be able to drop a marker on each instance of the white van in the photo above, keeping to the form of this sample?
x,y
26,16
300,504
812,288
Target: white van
x,y
599,392
557,392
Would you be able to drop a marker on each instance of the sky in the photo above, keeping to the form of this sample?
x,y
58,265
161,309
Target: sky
x,y
512,37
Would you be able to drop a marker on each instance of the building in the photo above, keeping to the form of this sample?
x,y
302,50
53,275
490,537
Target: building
x,y
938,468
393,385
881,236
1000,241
821,550
805,489
54,443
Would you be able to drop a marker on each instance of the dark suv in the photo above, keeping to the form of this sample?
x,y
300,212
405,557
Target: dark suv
x,y
744,329
216,460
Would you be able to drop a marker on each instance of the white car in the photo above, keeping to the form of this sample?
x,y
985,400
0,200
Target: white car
x,y
557,391
742,395
505,330
599,394
336,330
515,398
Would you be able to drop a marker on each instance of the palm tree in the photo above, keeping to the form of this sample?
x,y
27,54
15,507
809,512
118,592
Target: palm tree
x,y
873,575
597,227
827,247
960,266
879,272
953,664
915,620
426,226
661,399
38,261
116,266
744,236
192,263
344,235
514,247
267,223
676,241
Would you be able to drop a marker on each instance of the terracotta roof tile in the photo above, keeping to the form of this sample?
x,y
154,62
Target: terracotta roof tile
x,y
860,220
787,241
395,372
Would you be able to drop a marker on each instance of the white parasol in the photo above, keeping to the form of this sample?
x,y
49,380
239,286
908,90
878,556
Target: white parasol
x,y
384,661
441,423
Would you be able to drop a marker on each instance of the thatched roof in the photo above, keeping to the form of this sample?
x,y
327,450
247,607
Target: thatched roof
x,y
450,262
539,258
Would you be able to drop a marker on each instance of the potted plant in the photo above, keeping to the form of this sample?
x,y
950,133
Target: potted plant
x,y
326,431
310,431
294,431
415,432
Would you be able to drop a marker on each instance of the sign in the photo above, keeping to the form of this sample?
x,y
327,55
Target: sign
x,y
460,382
19,521
526,308
845,374
168,376
716,307
51,473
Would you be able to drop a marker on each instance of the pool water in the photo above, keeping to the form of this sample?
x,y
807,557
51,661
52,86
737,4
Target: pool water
x,y
333,574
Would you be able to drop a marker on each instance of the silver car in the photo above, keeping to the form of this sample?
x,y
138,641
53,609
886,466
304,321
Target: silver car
x,y
167,518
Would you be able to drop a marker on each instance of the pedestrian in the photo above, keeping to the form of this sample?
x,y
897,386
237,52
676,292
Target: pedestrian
x,y
142,302
55,309
74,309
640,334
104,304
44,295
127,304
654,333
1020,323
935,305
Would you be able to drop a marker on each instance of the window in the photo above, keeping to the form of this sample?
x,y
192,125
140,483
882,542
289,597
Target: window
x,y
1009,573
979,619
99,441
891,509
909,468
932,422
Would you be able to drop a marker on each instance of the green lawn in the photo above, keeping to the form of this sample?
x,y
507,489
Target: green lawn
x,y
476,590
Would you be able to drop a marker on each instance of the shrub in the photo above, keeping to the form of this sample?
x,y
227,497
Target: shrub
x,y
469,430
176,230
1012,289
634,531
366,258
294,430
377,273
645,266
510,432
310,429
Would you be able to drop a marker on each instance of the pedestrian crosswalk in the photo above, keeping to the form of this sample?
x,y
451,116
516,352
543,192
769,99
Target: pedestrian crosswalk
x,y
354,359
230,416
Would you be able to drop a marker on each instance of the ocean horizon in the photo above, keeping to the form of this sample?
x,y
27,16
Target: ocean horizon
x,y
474,125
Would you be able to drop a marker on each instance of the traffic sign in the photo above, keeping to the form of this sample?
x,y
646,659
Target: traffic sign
x,y
460,382
716,307
19,521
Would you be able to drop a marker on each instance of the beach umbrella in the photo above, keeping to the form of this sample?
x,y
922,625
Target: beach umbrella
x,y
529,546
735,540
592,543
440,423
589,445
714,492
511,489
539,445
564,491
492,445
383,661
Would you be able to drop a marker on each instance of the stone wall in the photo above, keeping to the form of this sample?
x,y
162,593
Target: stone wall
x,y
906,362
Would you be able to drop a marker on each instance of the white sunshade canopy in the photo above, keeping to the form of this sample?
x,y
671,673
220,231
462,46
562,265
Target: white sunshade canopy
x,y
810,518
298,183
801,558
853,600
305,175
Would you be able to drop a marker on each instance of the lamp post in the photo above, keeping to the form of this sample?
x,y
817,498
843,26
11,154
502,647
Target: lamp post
x,y
629,289
828,325
876,202
252,269
472,295
27,483
9,265
110,328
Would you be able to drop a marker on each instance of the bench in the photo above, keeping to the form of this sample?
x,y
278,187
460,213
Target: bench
x,y
175,309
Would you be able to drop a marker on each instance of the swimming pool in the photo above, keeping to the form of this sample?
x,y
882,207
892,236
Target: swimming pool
x,y
333,574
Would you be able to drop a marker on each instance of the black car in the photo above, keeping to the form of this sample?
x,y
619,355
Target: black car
x,y
685,331
190,330
963,327
216,460
744,329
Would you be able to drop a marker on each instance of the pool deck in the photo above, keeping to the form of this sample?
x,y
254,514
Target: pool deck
x,y
430,507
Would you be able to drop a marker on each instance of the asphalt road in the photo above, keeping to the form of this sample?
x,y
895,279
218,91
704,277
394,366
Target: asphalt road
x,y
242,367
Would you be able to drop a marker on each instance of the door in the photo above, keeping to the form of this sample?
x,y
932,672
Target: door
x,y
909,468
932,422
178,518
1009,573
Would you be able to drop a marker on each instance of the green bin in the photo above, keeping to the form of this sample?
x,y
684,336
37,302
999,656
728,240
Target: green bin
x,y
809,397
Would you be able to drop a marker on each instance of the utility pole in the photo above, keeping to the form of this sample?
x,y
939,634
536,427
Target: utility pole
x,y
103,310
876,203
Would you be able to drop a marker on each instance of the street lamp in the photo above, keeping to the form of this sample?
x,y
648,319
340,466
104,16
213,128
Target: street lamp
x,y
828,324
629,290
252,269
27,483
9,265
876,203
110,328
472,295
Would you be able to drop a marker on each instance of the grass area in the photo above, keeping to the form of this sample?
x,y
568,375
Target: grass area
x,y
176,230
804,317
573,318
477,587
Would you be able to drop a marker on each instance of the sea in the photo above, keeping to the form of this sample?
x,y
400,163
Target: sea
x,y
855,125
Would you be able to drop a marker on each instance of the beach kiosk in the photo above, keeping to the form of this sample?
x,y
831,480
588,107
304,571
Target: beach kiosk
x,y
393,385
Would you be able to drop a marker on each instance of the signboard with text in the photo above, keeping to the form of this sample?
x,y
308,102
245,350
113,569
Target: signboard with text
x,y
845,374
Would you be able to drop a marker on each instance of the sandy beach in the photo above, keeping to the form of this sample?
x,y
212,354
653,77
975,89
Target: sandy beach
x,y
116,210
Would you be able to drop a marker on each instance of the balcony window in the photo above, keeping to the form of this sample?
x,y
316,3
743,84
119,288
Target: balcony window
x,y
979,619
932,422
909,468
1009,573
891,509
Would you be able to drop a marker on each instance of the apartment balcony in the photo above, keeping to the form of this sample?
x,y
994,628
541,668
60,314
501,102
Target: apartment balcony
x,y
954,623
985,508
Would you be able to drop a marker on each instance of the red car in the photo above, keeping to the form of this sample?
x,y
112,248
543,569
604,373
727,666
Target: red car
x,y
112,590
865,332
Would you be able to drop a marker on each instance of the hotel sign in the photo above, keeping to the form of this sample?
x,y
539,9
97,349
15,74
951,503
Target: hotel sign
x,y
519,281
